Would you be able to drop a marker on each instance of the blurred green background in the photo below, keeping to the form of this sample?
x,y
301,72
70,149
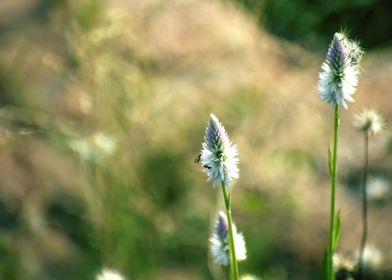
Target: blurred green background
x,y
103,111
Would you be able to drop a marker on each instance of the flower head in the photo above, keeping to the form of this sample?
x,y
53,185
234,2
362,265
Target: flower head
x,y
341,262
219,242
248,277
109,274
218,154
369,121
372,257
339,76
343,266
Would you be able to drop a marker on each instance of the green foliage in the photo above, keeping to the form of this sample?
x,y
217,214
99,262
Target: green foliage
x,y
9,261
169,175
330,160
88,13
336,234
325,269
311,23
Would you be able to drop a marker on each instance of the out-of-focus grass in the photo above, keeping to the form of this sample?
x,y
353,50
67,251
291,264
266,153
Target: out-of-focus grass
x,y
103,110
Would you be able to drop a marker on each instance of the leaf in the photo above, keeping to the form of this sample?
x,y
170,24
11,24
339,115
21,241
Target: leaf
x,y
326,269
330,160
336,233
325,265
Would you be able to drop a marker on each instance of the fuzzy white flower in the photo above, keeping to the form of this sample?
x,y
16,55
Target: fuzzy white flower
x,y
378,188
339,76
248,277
219,242
218,154
372,256
96,146
104,143
341,262
109,274
369,121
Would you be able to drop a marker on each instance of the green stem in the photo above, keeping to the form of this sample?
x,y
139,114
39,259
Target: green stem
x,y
364,207
331,275
233,259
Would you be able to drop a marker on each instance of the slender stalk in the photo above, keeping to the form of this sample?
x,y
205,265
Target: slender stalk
x,y
364,206
330,274
233,259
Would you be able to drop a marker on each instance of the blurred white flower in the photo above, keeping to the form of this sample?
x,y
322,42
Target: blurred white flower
x,y
249,277
340,262
372,256
95,146
83,148
104,142
109,274
219,242
377,187
219,155
369,121
339,76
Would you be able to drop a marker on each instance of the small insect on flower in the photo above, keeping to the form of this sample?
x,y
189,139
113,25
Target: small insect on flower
x,y
219,154
369,121
197,159
219,242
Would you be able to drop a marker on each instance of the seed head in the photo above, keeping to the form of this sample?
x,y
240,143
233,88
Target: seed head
x,y
369,121
341,262
373,257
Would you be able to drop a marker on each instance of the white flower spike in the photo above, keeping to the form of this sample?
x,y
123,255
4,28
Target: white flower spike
x,y
339,76
109,274
219,154
340,261
219,242
249,277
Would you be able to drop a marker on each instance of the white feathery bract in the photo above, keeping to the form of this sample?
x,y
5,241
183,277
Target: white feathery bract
x,y
219,242
339,76
219,154
249,277
369,121
109,274
373,257
340,261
